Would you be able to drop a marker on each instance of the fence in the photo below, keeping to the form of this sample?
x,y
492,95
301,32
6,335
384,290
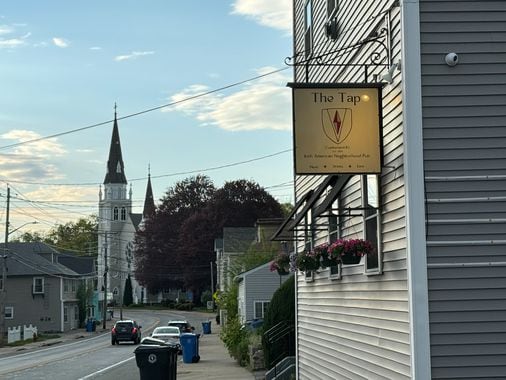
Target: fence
x,y
16,333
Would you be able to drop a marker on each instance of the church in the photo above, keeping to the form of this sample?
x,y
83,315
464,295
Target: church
x,y
117,225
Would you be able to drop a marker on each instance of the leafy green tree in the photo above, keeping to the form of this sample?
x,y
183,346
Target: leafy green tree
x,y
80,236
127,294
83,294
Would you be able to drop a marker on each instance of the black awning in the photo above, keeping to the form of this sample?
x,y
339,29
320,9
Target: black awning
x,y
294,218
332,195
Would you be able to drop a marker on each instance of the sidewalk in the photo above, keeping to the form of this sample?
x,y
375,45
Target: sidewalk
x,y
215,362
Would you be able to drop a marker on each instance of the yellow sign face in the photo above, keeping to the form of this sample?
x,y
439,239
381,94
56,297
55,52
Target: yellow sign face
x,y
337,130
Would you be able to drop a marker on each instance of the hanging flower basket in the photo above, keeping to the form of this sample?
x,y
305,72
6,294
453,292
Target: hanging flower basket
x,y
307,261
281,264
354,249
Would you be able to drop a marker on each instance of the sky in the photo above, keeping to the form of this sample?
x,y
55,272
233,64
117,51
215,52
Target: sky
x,y
200,87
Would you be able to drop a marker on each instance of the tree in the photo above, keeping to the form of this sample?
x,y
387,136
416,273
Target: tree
x,y
80,236
127,294
83,296
177,243
159,255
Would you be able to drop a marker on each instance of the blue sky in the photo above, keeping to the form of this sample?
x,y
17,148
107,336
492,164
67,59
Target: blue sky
x,y
65,64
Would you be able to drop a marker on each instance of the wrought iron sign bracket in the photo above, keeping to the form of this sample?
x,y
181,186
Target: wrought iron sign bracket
x,y
380,56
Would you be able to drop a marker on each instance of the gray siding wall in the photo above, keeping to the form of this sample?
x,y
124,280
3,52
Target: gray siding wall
x,y
357,327
464,127
41,310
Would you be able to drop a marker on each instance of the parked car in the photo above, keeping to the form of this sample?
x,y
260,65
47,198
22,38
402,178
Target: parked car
x,y
184,326
168,334
126,331
253,325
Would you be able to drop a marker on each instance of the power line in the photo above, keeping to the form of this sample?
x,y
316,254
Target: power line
x,y
144,111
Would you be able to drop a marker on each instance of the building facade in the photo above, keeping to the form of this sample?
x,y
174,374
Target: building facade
x,y
431,301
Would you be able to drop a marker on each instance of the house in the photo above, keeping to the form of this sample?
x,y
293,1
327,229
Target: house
x,y
85,266
430,303
40,290
256,287
235,242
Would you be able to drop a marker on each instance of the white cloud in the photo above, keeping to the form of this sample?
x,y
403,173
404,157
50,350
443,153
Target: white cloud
x,y
260,104
60,42
133,55
274,14
95,48
30,162
5,29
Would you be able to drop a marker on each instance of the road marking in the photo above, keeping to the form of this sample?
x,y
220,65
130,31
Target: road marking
x,y
91,375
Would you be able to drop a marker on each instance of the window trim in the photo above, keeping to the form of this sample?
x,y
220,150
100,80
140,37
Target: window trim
x,y
115,213
123,213
331,13
375,215
34,284
11,312
263,308
308,29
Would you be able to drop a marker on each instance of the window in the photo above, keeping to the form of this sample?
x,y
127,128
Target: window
x,y
76,313
115,291
372,221
38,285
65,314
261,309
331,8
308,27
123,213
73,285
115,213
1,283
65,285
9,312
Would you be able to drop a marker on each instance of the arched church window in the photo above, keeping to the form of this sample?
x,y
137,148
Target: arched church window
x,y
115,213
123,213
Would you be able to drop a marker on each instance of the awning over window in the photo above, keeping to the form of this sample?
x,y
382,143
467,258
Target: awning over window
x,y
286,230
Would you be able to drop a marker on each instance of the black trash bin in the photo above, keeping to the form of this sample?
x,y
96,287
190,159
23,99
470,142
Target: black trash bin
x,y
156,362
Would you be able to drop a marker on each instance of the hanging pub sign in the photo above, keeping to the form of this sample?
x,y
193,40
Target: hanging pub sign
x,y
337,128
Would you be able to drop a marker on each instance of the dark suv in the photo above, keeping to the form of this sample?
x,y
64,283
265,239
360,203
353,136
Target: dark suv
x,y
126,331
184,326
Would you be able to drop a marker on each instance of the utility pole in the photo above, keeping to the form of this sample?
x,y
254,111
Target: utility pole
x,y
3,262
106,269
212,284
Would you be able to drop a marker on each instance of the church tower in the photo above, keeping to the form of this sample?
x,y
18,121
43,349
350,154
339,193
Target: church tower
x,y
115,225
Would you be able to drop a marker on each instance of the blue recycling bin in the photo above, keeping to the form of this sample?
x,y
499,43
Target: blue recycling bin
x,y
90,323
190,345
206,327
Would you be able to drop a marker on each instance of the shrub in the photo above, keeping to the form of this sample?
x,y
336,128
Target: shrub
x,y
236,339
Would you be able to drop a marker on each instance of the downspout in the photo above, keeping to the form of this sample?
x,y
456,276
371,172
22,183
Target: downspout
x,y
416,249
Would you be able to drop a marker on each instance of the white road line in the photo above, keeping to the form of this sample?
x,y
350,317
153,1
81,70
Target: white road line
x,y
91,375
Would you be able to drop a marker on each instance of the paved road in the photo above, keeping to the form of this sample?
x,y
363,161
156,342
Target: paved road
x,y
96,358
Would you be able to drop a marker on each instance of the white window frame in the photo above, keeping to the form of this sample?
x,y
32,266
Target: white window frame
x,y
335,273
34,285
371,215
9,312
264,307
115,213
73,285
308,28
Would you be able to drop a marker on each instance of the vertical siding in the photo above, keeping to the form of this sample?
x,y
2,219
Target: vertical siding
x,y
357,327
464,117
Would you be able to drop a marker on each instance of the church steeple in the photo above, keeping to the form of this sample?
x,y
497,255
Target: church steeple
x,y
115,167
149,202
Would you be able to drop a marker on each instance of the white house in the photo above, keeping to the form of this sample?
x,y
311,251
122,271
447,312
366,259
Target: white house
x,y
431,302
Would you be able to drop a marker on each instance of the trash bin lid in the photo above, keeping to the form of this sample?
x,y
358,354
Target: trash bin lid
x,y
146,348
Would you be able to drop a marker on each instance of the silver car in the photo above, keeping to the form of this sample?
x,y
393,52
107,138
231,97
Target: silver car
x,y
169,334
